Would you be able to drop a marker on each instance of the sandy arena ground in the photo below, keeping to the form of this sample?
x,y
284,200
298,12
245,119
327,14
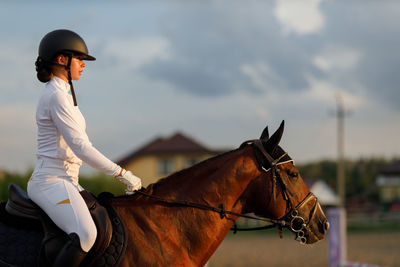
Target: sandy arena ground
x,y
381,249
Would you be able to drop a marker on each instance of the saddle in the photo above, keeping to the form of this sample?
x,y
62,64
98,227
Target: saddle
x,y
111,236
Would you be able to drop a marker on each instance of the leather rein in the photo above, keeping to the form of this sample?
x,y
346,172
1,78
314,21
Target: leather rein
x,y
291,220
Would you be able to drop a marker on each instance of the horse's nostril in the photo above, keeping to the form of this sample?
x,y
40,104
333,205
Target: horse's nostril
x,y
326,226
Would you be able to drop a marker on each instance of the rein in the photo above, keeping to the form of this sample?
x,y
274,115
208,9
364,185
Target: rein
x,y
220,210
292,219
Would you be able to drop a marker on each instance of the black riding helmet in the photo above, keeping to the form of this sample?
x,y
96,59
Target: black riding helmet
x,y
62,42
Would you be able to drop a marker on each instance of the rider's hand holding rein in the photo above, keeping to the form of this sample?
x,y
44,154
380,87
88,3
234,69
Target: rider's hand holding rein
x,y
131,181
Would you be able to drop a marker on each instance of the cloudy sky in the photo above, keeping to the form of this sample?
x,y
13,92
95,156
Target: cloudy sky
x,y
219,71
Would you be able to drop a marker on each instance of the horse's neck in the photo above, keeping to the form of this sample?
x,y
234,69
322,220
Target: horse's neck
x,y
221,180
196,232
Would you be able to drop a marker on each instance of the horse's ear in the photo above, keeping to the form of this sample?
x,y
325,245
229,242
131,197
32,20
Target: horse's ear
x,y
265,134
276,137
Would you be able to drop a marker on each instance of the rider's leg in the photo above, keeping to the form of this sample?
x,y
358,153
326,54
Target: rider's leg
x,y
62,202
71,255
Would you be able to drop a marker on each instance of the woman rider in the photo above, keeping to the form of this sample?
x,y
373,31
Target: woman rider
x,y
63,144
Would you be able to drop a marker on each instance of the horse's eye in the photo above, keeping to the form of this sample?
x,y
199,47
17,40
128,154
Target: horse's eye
x,y
293,174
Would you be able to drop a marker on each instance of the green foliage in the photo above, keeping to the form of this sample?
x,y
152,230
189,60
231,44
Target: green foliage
x,y
99,182
360,175
7,178
320,170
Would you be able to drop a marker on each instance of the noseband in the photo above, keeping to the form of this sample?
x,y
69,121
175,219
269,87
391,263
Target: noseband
x,y
295,222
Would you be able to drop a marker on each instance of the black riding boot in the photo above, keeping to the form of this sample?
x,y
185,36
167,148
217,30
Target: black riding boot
x,y
71,255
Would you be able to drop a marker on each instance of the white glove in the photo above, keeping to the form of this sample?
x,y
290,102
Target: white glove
x,y
131,181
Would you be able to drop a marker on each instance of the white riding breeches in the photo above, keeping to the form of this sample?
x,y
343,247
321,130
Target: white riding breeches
x,y
54,187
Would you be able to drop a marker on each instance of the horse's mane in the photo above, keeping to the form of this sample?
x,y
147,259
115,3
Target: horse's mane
x,y
188,175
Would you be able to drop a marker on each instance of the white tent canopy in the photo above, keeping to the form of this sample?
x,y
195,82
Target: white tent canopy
x,y
326,196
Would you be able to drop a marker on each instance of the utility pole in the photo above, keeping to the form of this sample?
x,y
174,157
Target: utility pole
x,y
337,216
341,180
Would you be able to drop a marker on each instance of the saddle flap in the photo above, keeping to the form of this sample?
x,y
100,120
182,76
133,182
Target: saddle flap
x,y
19,204
103,224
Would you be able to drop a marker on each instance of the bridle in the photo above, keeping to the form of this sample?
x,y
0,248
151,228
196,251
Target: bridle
x,y
291,220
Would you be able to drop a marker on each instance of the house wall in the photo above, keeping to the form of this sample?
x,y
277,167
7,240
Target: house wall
x,y
144,167
390,193
389,188
149,167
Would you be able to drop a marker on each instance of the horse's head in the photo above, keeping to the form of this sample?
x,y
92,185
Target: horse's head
x,y
280,193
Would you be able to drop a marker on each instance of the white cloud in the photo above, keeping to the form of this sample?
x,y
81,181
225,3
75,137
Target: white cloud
x,y
134,53
260,74
337,58
263,77
263,113
301,17
324,91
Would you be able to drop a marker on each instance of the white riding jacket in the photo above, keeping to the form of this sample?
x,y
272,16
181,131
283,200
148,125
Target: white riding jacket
x,y
62,132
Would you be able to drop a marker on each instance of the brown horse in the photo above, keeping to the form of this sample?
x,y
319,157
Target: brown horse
x,y
246,180
182,219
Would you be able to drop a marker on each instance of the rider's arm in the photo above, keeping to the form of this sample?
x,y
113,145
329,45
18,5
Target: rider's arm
x,y
67,123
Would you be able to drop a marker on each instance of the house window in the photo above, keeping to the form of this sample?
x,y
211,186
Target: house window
x,y
190,162
165,166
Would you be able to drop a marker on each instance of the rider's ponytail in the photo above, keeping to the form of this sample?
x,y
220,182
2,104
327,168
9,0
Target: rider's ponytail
x,y
43,70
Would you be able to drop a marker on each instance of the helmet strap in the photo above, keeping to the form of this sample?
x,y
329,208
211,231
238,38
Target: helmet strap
x,y
68,68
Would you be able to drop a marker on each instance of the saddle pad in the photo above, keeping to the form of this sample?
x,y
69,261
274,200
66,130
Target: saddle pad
x,y
22,252
14,249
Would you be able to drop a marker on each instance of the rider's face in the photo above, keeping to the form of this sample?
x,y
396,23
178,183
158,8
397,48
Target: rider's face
x,y
77,65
